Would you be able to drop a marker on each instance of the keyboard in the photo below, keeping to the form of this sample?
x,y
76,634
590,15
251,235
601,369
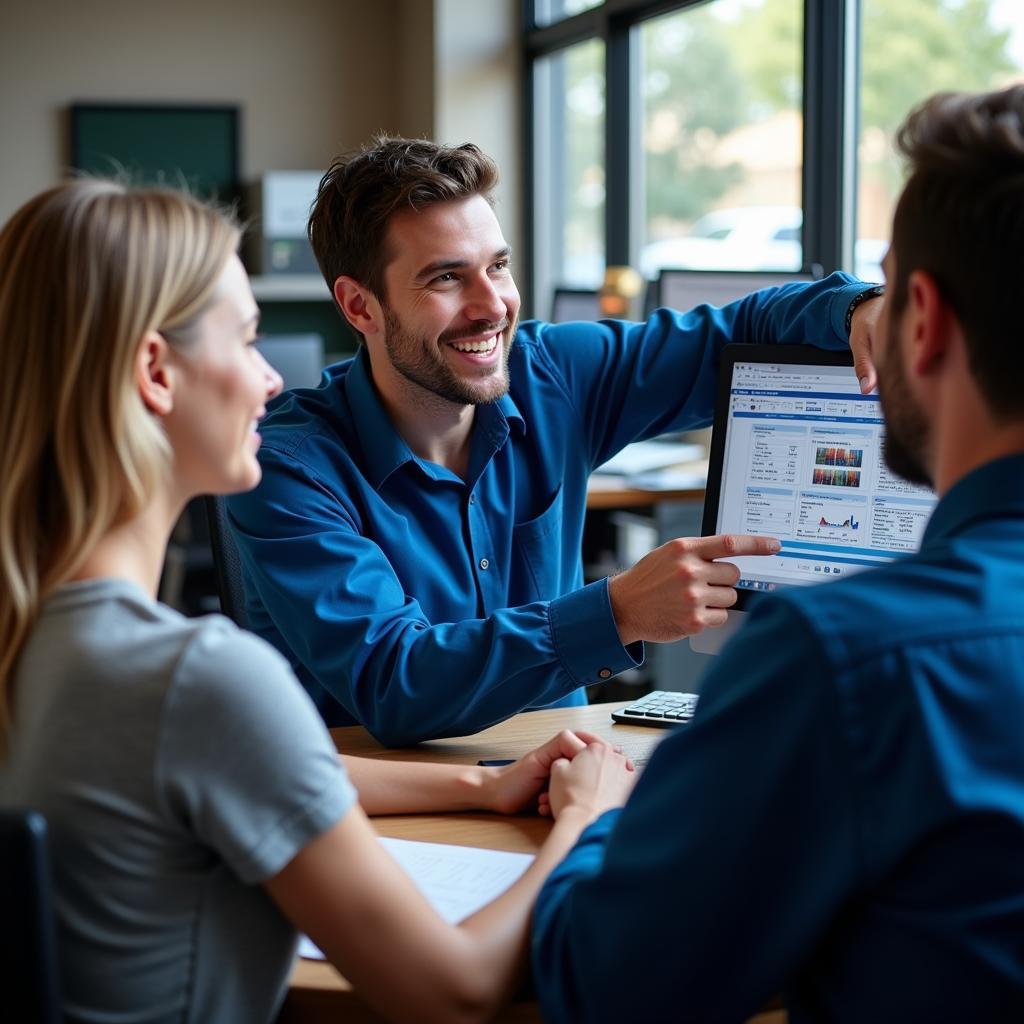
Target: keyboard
x,y
660,708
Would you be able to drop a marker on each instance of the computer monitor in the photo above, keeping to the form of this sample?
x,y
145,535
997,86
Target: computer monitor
x,y
797,454
575,304
299,358
194,146
684,289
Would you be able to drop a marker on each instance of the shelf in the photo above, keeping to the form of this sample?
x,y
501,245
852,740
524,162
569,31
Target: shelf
x,y
290,288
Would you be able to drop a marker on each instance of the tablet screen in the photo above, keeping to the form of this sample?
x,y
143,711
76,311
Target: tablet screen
x,y
797,454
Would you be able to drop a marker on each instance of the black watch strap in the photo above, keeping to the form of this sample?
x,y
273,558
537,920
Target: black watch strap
x,y
864,296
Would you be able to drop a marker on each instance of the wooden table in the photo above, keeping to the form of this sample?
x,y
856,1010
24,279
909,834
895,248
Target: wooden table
x,y
317,992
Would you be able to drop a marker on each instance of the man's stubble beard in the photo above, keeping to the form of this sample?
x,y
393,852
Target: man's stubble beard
x,y
906,426
415,359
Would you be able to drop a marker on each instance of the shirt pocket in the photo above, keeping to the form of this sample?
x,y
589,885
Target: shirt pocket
x,y
537,545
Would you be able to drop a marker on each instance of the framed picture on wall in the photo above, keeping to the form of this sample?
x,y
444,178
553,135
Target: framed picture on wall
x,y
193,146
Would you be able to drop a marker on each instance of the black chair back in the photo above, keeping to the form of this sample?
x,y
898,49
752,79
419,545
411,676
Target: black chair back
x,y
28,931
226,562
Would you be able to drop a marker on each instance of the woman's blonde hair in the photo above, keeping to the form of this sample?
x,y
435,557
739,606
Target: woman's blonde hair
x,y
87,269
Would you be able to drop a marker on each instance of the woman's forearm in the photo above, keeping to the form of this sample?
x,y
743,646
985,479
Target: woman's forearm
x,y
404,787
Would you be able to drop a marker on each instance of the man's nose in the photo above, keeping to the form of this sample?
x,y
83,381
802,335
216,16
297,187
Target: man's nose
x,y
485,302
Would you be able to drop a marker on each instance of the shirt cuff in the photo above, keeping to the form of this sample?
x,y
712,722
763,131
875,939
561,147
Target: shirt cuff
x,y
841,300
597,830
586,637
586,858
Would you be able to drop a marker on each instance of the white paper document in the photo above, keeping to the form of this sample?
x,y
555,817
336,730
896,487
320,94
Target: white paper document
x,y
456,880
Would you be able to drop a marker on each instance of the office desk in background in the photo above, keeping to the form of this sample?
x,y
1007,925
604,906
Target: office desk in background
x,y
317,992
615,492
647,482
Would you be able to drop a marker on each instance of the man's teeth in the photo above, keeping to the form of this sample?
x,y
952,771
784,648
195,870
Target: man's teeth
x,y
475,346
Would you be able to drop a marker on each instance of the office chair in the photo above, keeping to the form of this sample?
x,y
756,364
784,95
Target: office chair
x,y
186,582
28,933
226,563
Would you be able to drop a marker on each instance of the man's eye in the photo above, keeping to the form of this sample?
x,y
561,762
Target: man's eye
x,y
444,278
502,265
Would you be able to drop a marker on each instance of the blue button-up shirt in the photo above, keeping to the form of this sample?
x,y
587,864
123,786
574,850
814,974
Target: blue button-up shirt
x,y
421,604
844,818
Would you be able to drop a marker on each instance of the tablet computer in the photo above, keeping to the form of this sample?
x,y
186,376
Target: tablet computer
x,y
797,454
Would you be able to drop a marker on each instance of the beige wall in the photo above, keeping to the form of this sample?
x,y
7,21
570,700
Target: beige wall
x,y
478,94
416,97
312,76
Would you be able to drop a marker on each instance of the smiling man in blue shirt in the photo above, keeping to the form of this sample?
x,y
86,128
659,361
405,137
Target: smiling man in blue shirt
x,y
843,821
414,546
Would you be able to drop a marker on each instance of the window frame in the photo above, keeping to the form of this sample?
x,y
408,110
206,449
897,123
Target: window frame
x,y
830,128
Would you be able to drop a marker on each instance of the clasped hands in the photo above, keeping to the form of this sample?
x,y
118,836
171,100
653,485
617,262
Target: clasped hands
x,y
574,772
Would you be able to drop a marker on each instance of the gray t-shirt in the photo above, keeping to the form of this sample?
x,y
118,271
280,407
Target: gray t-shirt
x,y
179,764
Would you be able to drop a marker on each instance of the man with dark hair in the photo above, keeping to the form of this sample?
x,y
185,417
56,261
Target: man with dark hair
x,y
414,548
844,819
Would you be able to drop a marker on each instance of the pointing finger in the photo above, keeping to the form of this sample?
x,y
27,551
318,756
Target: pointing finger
x,y
728,545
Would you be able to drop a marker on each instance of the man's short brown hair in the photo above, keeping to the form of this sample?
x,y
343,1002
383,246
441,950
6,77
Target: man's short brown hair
x,y
361,190
961,219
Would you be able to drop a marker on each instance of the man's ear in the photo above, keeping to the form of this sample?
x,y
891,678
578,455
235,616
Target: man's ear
x,y
932,322
154,376
360,307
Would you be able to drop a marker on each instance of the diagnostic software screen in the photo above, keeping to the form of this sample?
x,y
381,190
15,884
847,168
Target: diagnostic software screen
x,y
803,462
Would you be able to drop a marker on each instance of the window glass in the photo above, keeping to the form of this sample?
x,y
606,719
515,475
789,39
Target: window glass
x,y
569,170
546,12
910,50
722,137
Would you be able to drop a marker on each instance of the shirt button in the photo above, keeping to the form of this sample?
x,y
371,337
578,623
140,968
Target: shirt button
x,y
472,499
484,563
605,673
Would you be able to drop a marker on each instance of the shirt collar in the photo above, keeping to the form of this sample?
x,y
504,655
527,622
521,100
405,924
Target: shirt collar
x,y
995,490
383,448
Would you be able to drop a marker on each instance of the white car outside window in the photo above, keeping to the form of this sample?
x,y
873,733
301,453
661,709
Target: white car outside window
x,y
748,238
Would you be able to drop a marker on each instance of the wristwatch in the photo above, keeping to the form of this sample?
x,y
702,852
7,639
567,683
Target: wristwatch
x,y
864,296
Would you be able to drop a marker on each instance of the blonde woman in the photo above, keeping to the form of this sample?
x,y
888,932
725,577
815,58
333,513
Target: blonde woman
x,y
198,811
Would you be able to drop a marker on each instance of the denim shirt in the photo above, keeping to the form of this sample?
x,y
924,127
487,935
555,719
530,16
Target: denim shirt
x,y
843,821
421,604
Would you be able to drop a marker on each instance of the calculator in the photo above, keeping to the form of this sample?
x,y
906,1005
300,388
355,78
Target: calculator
x,y
659,708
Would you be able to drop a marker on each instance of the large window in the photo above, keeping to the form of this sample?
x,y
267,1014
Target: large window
x,y
735,134
909,51
569,180
722,137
